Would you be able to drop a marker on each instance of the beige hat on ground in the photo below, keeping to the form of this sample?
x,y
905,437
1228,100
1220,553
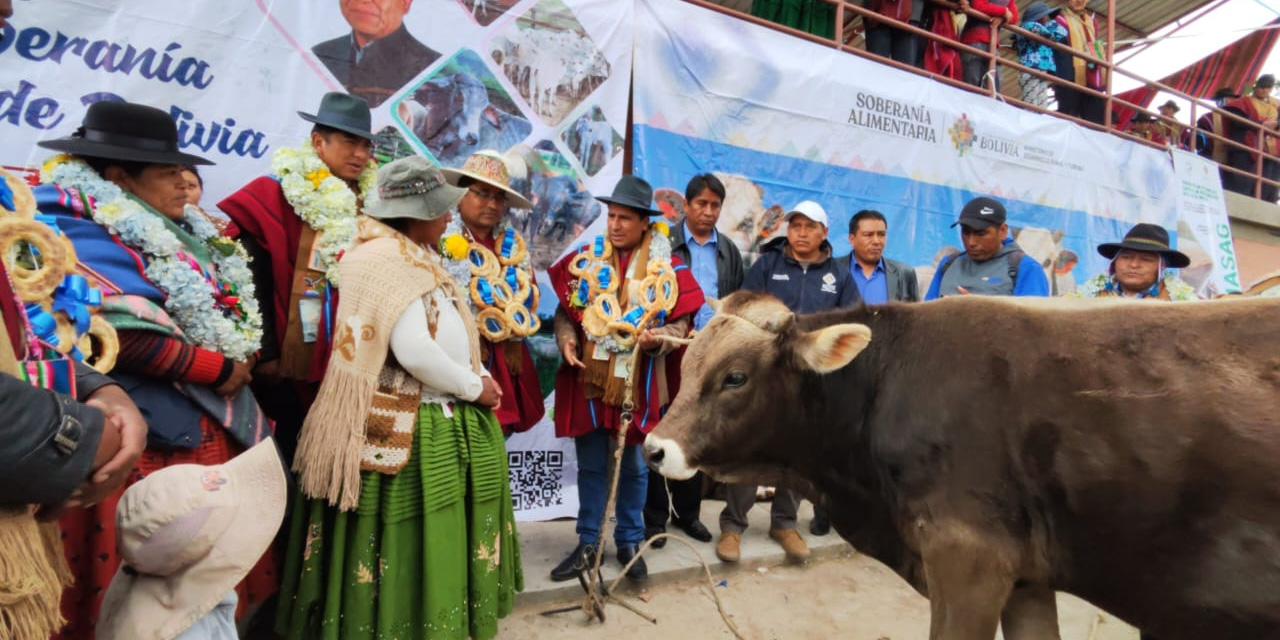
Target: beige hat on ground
x,y
187,534
491,168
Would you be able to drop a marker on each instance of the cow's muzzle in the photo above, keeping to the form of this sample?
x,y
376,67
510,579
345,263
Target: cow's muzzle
x,y
667,457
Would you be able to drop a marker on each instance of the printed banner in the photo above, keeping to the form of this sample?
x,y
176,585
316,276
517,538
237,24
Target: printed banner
x,y
1204,231
544,80
782,120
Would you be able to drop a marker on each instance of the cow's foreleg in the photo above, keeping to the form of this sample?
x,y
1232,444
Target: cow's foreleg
x,y
969,581
1031,614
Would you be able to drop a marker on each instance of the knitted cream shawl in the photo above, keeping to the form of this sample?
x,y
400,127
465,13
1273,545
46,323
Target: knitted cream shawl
x,y
382,274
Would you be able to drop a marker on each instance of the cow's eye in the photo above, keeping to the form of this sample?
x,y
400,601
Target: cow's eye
x,y
735,379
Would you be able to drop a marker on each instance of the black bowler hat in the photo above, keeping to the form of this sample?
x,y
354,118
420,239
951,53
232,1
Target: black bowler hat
x,y
633,192
344,112
981,213
125,131
1146,237
1225,92
1265,81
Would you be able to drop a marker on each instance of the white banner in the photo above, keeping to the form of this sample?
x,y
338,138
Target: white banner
x,y
783,120
546,79
1204,230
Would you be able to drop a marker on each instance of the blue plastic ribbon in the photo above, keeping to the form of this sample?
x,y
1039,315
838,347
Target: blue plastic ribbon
x,y
328,313
45,326
632,316
485,290
508,243
6,197
604,276
584,290
511,279
74,297
597,247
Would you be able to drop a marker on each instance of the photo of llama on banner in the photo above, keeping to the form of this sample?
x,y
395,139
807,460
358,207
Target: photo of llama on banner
x,y
548,57
461,108
562,206
485,12
592,140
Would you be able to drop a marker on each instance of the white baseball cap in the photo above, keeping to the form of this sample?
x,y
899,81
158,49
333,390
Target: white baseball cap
x,y
810,210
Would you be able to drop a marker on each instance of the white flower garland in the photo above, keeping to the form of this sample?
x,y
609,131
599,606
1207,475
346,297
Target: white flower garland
x,y
460,268
322,200
1102,284
189,298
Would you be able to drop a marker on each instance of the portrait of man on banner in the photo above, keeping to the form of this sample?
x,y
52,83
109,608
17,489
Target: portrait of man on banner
x,y
378,55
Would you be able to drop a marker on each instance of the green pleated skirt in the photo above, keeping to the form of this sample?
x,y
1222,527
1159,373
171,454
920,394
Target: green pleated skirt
x,y
430,554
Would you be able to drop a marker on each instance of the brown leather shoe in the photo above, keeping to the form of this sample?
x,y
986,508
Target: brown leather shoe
x,y
792,544
727,548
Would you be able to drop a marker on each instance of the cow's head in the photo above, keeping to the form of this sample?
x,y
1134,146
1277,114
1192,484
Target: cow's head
x,y
742,378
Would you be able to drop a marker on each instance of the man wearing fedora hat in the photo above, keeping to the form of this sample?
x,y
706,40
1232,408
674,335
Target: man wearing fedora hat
x,y
1144,125
294,223
482,219
379,55
1140,267
1214,122
623,291
1263,109
1168,126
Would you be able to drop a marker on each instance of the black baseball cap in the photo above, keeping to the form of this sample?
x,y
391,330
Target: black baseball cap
x,y
981,213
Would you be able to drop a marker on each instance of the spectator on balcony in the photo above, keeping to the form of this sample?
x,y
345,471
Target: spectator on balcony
x,y
888,41
811,16
977,33
1169,127
936,57
1082,36
1038,19
1261,108
1214,122
1144,125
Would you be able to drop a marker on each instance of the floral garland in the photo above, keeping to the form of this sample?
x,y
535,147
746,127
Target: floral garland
x,y
503,309
216,312
1103,285
322,200
593,292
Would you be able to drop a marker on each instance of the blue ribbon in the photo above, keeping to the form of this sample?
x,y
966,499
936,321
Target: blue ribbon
x,y
511,278
508,243
328,313
597,247
74,297
632,316
485,290
604,276
584,290
6,197
45,326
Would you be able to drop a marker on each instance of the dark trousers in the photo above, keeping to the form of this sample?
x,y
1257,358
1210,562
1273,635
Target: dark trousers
x,y
1073,102
685,504
973,68
1244,161
890,42
739,498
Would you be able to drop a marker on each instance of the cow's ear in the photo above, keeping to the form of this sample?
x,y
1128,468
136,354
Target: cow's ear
x,y
714,303
831,348
491,115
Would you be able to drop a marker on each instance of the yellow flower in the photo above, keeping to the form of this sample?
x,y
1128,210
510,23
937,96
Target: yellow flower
x,y
661,227
318,176
455,246
52,163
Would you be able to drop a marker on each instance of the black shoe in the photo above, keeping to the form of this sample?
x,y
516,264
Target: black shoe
x,y
638,571
578,561
820,525
695,530
650,532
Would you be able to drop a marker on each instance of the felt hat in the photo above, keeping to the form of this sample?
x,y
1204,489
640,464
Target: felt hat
x,y
125,131
1147,237
344,112
632,192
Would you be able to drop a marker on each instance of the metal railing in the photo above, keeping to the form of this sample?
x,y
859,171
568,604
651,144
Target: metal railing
x,y
995,61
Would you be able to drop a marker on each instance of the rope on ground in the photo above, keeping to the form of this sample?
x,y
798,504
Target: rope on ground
x,y
597,594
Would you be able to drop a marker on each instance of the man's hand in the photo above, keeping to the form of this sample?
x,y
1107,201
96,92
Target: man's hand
x,y
964,5
963,291
569,351
268,371
240,376
123,416
648,340
492,395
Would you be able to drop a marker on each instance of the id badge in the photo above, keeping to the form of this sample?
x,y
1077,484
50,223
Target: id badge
x,y
313,261
309,312
622,365
599,353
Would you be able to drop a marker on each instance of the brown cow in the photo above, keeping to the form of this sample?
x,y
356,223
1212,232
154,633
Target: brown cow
x,y
993,452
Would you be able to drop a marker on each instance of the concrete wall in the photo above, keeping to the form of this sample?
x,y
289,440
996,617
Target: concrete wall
x,y
1255,228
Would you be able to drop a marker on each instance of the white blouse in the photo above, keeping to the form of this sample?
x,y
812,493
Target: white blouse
x,y
443,363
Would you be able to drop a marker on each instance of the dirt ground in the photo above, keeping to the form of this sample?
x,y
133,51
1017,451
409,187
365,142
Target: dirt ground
x,y
850,597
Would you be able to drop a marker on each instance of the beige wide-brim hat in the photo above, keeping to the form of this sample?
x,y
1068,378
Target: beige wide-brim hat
x,y
489,167
412,187
187,534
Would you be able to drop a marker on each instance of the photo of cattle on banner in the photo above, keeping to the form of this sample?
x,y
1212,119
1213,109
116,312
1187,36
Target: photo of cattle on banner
x,y
995,450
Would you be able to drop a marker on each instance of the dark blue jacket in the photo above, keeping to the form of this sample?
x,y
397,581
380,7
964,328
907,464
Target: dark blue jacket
x,y
819,286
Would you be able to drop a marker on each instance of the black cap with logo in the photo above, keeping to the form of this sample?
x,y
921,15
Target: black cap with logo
x,y
981,213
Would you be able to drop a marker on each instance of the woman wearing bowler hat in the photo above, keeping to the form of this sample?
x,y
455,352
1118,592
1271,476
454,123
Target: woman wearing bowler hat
x,y
180,297
1141,267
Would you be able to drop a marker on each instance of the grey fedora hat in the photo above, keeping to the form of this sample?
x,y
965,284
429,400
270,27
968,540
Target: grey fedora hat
x,y
125,131
343,112
412,187
632,192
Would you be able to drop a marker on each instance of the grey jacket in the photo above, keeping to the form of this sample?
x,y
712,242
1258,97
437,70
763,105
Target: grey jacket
x,y
49,440
900,279
728,259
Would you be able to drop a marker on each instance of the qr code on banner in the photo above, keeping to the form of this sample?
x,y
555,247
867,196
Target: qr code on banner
x,y
536,478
